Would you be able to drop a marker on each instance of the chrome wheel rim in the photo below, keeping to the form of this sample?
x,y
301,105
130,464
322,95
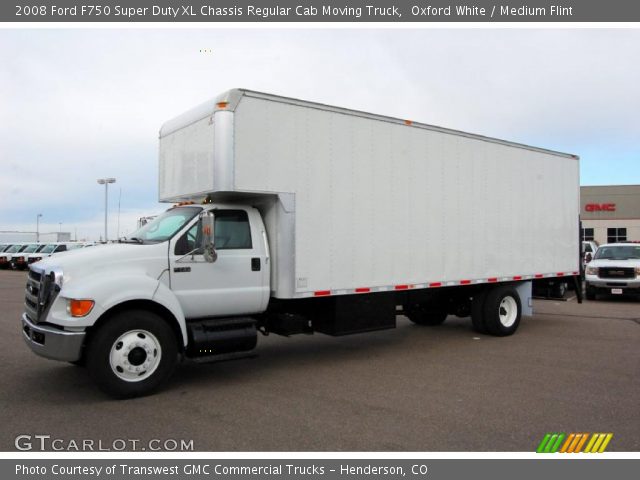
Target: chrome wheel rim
x,y
135,355
508,311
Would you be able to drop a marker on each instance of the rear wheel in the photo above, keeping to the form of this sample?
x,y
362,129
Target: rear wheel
x,y
502,311
132,354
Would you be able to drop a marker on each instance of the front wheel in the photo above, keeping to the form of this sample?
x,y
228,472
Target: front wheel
x,y
132,354
502,311
591,292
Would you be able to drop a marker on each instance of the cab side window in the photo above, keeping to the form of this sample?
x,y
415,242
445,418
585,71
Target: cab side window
x,y
187,243
232,230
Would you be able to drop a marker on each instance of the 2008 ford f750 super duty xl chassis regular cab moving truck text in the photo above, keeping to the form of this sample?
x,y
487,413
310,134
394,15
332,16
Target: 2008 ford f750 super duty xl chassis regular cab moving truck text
x,y
297,217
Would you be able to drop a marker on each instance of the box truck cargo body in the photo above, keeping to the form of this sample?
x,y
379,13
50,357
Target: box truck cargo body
x,y
364,201
296,217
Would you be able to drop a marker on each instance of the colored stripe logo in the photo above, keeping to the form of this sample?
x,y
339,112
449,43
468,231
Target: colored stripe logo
x,y
574,443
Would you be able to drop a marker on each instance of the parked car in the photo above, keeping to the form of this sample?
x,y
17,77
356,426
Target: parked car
x,y
615,270
47,251
7,255
21,261
5,246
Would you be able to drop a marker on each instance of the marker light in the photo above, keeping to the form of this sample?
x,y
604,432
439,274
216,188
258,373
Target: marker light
x,y
80,308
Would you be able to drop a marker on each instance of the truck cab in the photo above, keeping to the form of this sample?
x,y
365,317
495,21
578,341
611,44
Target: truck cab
x,y
157,291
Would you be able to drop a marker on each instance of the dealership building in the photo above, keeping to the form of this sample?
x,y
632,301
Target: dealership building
x,y
610,213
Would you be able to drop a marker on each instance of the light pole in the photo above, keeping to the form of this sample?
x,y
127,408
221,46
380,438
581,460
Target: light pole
x,y
106,182
38,227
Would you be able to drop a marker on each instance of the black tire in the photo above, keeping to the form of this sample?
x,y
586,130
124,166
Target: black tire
x,y
502,311
590,293
427,315
125,332
477,312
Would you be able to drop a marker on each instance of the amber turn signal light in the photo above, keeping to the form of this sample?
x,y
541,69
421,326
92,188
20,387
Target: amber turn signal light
x,y
80,308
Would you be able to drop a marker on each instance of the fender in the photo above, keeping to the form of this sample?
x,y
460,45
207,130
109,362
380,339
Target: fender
x,y
115,290
165,297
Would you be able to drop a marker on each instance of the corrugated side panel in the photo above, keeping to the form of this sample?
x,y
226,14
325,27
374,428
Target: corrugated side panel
x,y
186,161
381,204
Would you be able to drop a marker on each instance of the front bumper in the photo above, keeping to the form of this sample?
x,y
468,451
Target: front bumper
x,y
51,343
629,286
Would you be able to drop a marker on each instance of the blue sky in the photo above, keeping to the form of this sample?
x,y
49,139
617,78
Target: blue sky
x,y
77,104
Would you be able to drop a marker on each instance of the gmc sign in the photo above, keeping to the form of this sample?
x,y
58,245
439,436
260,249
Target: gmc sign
x,y
600,207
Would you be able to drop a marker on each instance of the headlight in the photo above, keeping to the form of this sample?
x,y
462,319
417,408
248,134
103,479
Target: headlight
x,y
638,271
592,271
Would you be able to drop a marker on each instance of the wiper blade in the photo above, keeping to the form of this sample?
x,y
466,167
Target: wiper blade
x,y
137,240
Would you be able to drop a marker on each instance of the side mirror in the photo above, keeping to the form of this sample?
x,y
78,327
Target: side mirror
x,y
208,236
588,257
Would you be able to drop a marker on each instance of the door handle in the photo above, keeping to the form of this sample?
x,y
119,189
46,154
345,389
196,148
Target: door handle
x,y
255,264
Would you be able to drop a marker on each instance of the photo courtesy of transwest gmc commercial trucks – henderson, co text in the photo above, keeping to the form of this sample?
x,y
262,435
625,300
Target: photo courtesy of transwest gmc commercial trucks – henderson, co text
x,y
297,217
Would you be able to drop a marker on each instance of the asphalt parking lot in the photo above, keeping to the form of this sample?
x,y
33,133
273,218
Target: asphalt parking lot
x,y
570,368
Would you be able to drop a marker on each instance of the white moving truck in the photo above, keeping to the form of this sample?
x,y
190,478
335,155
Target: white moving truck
x,y
297,217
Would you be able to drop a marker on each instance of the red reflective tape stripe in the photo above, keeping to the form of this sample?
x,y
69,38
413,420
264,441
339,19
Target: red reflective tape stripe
x,y
363,290
518,277
402,287
465,282
492,279
322,293
435,284
538,275
560,274
575,273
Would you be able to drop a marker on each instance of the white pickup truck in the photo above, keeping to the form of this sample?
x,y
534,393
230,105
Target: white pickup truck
x,y
614,270
297,217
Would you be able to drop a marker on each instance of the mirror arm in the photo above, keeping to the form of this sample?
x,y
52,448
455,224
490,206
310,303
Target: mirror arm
x,y
192,253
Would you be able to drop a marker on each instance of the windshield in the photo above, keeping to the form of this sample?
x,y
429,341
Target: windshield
x,y
14,249
618,252
30,249
164,226
48,248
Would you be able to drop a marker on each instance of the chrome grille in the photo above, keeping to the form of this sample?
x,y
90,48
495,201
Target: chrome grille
x,y
31,293
38,294
34,275
616,272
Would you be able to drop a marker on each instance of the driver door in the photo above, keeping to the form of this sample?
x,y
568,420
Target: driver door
x,y
236,283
